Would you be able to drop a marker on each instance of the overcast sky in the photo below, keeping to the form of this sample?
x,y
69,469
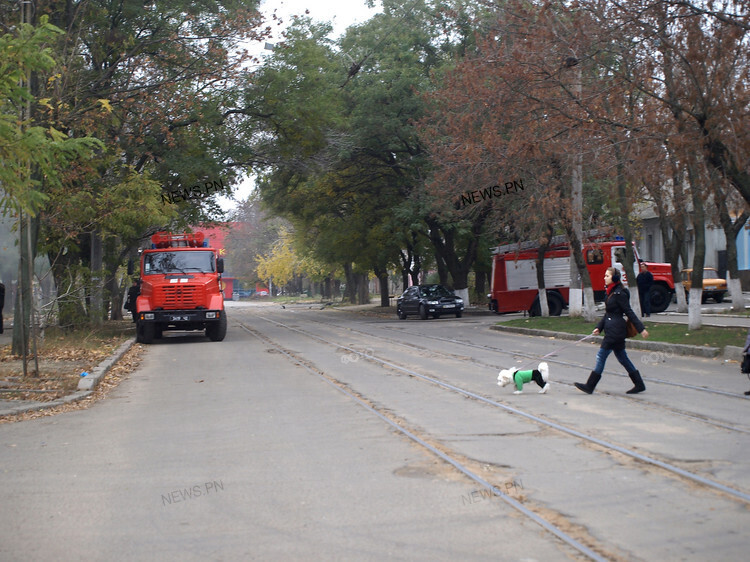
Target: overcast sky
x,y
341,13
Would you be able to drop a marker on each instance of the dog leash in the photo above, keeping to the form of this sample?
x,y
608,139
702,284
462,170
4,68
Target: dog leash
x,y
558,350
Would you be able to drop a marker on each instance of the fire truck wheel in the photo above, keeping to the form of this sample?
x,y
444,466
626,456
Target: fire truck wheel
x,y
423,312
145,332
660,297
217,330
554,303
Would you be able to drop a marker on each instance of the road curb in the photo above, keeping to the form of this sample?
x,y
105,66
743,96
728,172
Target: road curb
x,y
677,348
86,385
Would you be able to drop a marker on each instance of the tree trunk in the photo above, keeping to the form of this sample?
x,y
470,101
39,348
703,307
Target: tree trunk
x,y
382,275
543,303
699,257
23,314
363,288
731,230
350,291
589,308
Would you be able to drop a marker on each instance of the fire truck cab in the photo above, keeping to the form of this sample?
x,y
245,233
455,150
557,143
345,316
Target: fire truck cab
x,y
180,288
514,277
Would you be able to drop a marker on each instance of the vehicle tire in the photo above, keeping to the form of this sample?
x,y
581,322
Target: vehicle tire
x,y
704,298
555,303
401,314
158,331
145,332
423,312
436,316
459,314
216,331
660,297
719,297
536,308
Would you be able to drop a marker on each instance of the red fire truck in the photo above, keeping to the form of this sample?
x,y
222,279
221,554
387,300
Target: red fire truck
x,y
180,288
515,287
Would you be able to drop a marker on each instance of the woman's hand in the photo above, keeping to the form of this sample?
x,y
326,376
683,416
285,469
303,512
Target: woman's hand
x,y
644,333
595,332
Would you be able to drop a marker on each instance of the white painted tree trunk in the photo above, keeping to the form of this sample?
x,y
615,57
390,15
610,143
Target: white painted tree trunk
x,y
544,305
464,294
575,302
589,311
694,309
679,291
635,301
735,292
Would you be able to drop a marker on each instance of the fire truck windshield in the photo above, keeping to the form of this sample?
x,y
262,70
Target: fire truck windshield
x,y
178,262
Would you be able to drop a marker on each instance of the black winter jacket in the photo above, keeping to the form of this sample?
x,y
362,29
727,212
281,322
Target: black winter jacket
x,y
613,323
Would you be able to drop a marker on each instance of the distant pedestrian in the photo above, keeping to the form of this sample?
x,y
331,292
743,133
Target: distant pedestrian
x,y
645,281
2,304
744,353
132,299
615,331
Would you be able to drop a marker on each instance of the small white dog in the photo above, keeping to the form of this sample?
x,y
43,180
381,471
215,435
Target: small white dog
x,y
540,376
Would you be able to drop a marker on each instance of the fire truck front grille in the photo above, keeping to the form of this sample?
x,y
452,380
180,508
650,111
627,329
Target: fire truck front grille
x,y
178,296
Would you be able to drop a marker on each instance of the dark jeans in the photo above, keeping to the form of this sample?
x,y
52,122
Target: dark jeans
x,y
622,357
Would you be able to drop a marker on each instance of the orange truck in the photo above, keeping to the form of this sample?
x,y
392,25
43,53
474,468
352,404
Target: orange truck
x,y
515,287
180,288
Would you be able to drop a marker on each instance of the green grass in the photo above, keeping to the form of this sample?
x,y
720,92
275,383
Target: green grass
x,y
711,336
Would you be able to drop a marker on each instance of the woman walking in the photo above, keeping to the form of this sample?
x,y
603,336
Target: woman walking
x,y
615,331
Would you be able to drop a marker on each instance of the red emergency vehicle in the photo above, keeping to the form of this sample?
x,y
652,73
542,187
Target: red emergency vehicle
x,y
180,287
515,287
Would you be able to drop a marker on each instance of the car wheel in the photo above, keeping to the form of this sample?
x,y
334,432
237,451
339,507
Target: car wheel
x,y
423,312
459,313
401,314
719,297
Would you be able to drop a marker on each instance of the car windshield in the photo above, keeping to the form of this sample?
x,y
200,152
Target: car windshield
x,y
178,262
436,291
710,274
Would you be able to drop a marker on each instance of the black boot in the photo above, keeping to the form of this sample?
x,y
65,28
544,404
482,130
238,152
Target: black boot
x,y
590,385
635,376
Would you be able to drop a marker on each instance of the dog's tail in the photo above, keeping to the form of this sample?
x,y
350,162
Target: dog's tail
x,y
544,370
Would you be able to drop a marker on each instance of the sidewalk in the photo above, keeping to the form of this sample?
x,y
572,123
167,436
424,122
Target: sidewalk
x,y
86,386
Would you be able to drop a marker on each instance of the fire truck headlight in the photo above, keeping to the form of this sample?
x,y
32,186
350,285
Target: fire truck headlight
x,y
148,316
210,315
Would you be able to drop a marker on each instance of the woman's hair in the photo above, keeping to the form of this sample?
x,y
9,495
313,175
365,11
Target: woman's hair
x,y
615,273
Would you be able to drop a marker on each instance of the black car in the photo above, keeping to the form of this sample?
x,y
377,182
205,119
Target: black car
x,y
429,299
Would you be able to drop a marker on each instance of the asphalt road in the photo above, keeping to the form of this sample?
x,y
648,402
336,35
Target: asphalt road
x,y
287,441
